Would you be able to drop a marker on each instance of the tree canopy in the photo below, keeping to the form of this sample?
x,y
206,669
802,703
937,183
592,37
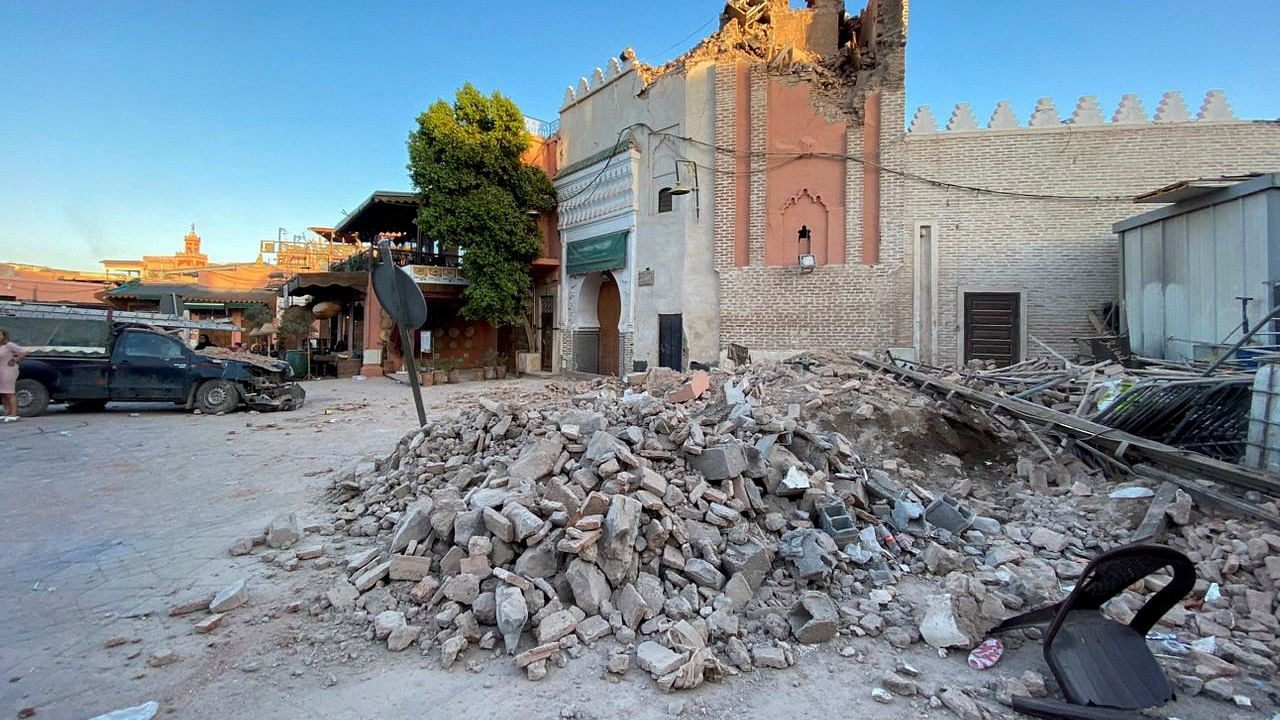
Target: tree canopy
x,y
477,194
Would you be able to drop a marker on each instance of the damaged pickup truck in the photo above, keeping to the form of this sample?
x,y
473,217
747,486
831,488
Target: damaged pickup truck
x,y
143,364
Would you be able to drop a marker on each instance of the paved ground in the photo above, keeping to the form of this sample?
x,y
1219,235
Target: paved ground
x,y
108,519
103,516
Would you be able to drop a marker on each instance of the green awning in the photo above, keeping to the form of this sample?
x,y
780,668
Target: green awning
x,y
603,252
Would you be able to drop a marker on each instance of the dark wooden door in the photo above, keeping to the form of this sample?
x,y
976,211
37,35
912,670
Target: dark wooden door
x,y
609,312
671,341
991,325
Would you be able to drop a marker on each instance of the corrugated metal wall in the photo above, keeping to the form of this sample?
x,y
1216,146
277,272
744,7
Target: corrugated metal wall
x,y
1182,275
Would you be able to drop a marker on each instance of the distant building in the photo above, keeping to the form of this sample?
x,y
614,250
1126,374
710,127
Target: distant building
x,y
157,267
44,284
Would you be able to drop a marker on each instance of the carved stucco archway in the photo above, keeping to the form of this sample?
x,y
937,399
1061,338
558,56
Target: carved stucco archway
x,y
596,348
808,209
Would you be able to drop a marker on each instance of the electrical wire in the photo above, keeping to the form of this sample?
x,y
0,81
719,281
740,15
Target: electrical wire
x,y
836,156
688,37
614,153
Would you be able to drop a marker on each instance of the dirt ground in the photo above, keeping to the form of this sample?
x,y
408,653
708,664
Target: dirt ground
x,y
108,519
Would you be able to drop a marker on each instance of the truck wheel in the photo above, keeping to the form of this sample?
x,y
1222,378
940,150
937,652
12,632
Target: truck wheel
x,y
82,406
217,396
33,397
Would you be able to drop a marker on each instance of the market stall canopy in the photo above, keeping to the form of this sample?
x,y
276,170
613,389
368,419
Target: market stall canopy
x,y
191,293
327,284
384,211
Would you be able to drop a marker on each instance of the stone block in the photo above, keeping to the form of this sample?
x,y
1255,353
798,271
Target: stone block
x,y
720,462
409,567
813,618
658,660
230,597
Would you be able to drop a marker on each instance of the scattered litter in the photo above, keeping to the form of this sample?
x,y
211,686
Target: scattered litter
x,y
145,711
1131,493
987,654
1213,594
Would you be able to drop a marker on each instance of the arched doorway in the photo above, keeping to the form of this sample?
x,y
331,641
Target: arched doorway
x,y
608,313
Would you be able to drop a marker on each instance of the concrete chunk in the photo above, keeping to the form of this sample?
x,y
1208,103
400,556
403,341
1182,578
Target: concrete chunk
x,y
658,660
230,597
284,531
589,586
721,462
813,618
414,525
704,573
370,577
410,567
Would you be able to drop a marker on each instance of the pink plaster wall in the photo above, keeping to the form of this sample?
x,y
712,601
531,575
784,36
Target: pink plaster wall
x,y
807,190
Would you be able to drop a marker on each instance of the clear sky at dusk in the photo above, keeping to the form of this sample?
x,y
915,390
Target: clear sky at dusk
x,y
122,123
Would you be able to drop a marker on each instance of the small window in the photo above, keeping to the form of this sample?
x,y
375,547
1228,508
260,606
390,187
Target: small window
x,y
664,200
150,345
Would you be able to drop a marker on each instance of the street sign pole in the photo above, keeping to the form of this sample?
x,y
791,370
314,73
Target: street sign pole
x,y
402,299
412,364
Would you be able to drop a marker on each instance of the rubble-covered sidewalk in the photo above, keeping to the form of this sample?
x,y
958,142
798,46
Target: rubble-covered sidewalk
x,y
705,526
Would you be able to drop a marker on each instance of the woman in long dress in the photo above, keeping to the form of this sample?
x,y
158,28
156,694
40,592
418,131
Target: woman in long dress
x,y
10,354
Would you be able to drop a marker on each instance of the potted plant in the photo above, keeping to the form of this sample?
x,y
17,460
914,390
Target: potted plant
x,y
426,373
501,367
439,373
489,363
454,375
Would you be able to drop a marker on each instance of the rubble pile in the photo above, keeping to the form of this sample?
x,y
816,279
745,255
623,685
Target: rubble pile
x,y
706,526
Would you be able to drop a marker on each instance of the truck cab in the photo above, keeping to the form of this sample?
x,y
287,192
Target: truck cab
x,y
150,366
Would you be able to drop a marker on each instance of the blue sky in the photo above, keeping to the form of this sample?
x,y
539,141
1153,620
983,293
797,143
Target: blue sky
x,y
122,123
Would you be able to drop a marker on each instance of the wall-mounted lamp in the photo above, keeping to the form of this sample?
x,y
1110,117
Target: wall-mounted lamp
x,y
681,189
804,238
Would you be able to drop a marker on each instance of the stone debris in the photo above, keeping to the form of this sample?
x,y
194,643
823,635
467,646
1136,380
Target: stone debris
x,y
701,531
230,597
162,657
284,531
191,605
210,623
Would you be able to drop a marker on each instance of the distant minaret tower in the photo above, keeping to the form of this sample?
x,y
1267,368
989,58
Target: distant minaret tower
x,y
192,241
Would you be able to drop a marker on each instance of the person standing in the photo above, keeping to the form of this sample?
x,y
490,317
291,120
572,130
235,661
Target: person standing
x,y
10,354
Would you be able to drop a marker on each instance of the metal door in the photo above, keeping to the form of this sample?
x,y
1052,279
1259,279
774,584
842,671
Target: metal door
x,y
149,366
991,327
548,331
671,341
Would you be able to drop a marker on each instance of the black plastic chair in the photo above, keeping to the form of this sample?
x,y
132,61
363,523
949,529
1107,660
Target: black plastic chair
x,y
1102,665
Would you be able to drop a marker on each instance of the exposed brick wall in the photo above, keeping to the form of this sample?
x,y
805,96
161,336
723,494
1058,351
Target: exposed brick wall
x,y
759,134
725,208
1061,254
852,305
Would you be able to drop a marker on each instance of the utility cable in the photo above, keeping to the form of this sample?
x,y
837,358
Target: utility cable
x,y
838,156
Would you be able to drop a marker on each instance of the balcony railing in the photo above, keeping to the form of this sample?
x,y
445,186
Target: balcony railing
x,y
364,259
541,128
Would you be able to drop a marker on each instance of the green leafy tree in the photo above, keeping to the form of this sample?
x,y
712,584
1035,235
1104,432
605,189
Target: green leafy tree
x,y
477,195
255,316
